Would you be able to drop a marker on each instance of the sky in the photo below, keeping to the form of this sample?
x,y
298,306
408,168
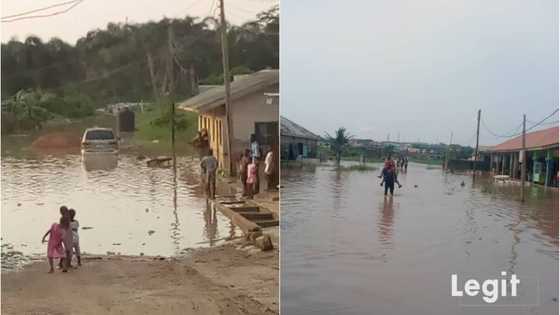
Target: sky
x,y
93,14
419,70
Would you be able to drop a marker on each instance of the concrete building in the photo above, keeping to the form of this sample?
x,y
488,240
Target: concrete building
x,y
297,142
542,157
253,110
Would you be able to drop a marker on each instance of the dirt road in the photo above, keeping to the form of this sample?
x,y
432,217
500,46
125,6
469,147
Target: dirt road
x,y
220,280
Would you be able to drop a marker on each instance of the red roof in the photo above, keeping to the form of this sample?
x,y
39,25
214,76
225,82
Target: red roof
x,y
533,140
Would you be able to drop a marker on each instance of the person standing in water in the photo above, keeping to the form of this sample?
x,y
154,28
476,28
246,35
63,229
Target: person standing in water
x,y
388,175
209,165
405,164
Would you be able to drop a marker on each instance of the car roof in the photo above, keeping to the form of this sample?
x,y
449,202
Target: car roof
x,y
96,128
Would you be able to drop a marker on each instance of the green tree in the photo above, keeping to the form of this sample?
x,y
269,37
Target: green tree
x,y
127,62
339,143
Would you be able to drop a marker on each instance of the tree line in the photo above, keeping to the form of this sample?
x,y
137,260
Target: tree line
x,y
130,62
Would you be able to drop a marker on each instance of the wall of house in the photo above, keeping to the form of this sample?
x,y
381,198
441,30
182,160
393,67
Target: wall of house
x,y
248,110
541,165
291,147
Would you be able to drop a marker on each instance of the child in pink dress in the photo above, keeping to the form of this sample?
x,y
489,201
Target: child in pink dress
x,y
54,246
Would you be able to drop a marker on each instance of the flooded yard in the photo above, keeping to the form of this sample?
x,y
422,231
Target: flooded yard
x,y
122,205
348,250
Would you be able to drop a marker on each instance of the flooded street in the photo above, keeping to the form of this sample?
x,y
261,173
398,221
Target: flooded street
x,y
348,250
122,205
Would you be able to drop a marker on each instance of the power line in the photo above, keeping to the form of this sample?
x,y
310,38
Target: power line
x,y
40,9
508,135
543,120
516,133
44,15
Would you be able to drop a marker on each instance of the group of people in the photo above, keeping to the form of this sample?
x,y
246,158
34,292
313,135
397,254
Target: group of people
x,y
390,175
64,241
402,163
249,169
248,166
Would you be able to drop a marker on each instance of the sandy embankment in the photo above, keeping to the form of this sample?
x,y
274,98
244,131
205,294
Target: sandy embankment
x,y
219,280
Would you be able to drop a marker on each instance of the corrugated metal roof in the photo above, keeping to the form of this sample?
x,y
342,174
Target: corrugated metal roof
x,y
215,97
533,140
291,129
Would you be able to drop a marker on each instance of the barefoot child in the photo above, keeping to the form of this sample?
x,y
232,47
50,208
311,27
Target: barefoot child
x,y
54,246
74,226
252,178
66,239
63,213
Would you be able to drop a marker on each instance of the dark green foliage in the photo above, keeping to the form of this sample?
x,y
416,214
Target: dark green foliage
x,y
181,121
339,143
111,65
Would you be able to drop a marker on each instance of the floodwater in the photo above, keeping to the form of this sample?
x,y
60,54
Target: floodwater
x,y
348,250
122,205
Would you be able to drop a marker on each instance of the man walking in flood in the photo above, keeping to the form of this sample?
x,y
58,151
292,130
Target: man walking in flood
x,y
388,174
209,165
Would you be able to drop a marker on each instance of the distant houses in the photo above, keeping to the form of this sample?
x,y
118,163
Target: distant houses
x,y
253,110
542,157
297,142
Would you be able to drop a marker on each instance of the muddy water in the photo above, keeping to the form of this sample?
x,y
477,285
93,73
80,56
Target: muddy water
x,y
122,205
348,250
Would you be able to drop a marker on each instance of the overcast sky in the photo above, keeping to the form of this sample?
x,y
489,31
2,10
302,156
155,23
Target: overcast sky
x,y
92,14
420,69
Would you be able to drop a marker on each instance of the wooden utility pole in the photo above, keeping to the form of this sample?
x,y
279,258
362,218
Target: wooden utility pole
x,y
171,75
476,148
448,149
225,62
523,161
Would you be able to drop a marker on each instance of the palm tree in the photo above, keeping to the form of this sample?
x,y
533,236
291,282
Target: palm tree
x,y
338,143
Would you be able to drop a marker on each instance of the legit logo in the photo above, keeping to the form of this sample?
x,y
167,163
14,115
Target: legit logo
x,y
490,287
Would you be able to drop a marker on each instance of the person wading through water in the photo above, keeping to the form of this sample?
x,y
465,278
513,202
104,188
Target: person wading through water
x,y
209,165
389,176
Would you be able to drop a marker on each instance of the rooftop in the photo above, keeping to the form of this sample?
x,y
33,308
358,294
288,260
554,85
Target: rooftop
x,y
291,129
215,96
534,140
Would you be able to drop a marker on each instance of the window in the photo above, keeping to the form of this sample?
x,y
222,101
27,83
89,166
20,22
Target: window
x,y
100,135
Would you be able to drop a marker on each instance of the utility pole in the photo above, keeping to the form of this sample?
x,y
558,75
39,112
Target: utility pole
x,y
171,74
225,62
476,148
523,161
448,148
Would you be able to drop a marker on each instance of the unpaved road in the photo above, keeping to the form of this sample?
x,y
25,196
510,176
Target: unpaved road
x,y
220,280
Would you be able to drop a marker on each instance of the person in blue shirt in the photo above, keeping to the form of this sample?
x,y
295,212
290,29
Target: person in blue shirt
x,y
389,179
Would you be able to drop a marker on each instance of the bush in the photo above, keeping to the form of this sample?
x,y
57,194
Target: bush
x,y
181,121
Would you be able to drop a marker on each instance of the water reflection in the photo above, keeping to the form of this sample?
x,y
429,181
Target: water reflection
x,y
175,225
210,224
385,225
436,225
127,206
94,161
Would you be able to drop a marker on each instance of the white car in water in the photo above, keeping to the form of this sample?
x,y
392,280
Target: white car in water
x,y
99,140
